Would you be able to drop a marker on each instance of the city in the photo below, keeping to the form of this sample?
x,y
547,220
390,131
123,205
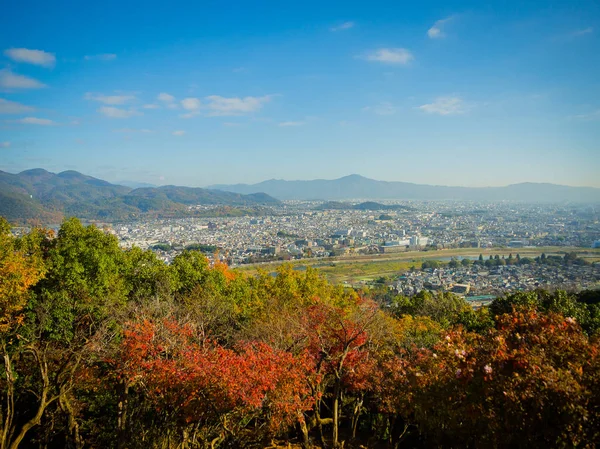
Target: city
x,y
302,232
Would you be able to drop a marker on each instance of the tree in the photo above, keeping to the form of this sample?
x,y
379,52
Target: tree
x,y
337,340
218,391
445,308
19,271
82,292
529,383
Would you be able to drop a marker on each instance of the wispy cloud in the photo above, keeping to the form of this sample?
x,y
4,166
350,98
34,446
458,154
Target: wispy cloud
x,y
591,116
437,30
5,144
286,124
343,26
112,112
12,107
35,121
101,57
151,106
383,108
36,57
390,56
109,99
583,32
167,99
133,130
445,106
179,133
222,106
10,80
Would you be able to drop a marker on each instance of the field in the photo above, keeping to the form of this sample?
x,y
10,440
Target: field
x,y
356,269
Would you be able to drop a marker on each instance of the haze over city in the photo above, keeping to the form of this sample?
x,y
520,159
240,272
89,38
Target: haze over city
x,y
447,93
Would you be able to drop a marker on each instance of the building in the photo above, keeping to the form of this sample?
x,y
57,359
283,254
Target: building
x,y
461,289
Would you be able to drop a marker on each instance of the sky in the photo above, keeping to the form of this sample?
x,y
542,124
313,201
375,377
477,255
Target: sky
x,y
471,93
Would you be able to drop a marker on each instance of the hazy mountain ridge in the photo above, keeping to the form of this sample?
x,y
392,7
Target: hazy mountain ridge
x,y
366,206
39,194
356,186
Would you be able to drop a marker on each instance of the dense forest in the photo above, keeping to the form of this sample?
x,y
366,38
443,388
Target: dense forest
x,y
106,348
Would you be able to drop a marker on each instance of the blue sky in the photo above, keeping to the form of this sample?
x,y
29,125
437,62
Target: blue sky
x,y
196,93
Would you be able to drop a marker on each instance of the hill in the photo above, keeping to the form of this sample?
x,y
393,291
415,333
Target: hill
x,y
39,194
359,187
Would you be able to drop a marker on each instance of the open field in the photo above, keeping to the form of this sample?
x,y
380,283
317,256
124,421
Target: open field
x,y
360,268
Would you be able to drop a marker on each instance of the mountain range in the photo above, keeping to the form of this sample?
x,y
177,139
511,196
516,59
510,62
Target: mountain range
x,y
39,194
358,187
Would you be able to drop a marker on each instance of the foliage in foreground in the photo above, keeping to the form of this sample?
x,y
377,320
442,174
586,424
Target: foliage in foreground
x,y
108,348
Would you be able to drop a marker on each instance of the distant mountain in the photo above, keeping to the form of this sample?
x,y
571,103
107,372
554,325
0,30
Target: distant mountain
x,y
367,205
359,187
39,194
135,184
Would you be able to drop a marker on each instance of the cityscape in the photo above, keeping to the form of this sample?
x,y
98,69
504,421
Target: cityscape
x,y
302,231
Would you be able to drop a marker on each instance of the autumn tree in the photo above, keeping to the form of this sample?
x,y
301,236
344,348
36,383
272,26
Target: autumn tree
x,y
217,391
19,271
528,383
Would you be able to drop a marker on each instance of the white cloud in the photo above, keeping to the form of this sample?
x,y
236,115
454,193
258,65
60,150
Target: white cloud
x,y
35,121
383,108
588,30
178,133
4,144
436,31
190,104
109,99
113,112
390,56
151,106
36,57
12,107
445,106
101,57
343,26
221,106
292,124
167,98
10,80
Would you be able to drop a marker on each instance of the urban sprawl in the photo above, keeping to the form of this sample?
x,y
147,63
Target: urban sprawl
x,y
305,230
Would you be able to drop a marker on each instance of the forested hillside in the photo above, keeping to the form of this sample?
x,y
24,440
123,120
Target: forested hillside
x,y
105,348
43,196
